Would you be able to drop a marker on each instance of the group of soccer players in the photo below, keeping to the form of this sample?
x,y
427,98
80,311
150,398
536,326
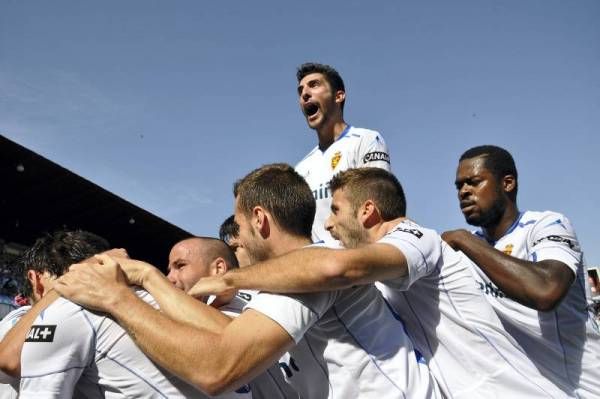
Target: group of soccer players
x,y
320,287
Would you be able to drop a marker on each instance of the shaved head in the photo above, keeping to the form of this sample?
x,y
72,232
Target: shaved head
x,y
210,248
198,257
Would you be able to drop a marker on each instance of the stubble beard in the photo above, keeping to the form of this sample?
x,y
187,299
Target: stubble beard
x,y
353,236
491,217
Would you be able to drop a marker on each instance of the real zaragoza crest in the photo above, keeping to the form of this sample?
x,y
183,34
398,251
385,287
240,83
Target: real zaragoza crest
x,y
508,249
336,159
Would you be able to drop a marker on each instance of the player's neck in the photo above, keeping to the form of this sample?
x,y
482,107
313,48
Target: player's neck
x,y
329,133
497,231
285,243
377,232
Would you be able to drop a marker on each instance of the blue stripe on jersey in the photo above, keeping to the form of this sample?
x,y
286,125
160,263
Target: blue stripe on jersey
x,y
345,132
516,223
367,352
562,347
53,372
558,222
526,223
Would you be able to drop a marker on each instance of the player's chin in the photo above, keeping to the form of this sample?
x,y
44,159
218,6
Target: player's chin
x,y
472,218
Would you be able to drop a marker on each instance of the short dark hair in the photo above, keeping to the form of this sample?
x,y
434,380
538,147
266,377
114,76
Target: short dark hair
x,y
283,192
333,77
497,160
55,252
376,184
229,229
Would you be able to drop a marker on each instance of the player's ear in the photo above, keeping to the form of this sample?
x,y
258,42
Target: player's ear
x,y
36,283
509,183
31,276
369,214
218,267
261,221
340,96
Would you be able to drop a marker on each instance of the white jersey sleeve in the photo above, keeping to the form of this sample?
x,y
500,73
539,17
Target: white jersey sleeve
x,y
61,333
421,247
8,383
372,151
553,237
294,313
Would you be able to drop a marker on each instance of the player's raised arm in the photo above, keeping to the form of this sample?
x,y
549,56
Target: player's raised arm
x,y
540,285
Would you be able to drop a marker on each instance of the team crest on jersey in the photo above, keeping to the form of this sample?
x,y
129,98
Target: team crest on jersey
x,y
508,249
335,160
41,333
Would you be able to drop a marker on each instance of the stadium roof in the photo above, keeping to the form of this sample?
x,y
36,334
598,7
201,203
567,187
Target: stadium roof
x,y
39,196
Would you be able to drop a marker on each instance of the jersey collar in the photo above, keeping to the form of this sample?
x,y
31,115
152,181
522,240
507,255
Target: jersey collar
x,y
512,227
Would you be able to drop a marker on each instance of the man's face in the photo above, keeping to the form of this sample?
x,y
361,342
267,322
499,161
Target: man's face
x,y
317,101
343,222
186,266
480,194
240,251
249,238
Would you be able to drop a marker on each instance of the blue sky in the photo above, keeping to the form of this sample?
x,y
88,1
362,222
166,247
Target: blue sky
x,y
167,103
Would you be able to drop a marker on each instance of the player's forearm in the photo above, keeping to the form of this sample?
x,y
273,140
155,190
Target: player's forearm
x,y
12,344
539,285
305,270
321,269
182,307
186,351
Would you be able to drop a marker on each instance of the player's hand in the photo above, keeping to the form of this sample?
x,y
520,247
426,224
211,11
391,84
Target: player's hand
x,y
454,238
135,270
214,285
94,285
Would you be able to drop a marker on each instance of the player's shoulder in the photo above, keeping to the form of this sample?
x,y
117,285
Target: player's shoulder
x,y
16,313
62,310
543,219
364,134
11,319
407,228
301,164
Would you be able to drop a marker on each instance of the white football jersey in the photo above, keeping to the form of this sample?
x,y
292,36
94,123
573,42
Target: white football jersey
x,y
270,384
355,148
349,345
455,328
564,343
72,351
9,386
